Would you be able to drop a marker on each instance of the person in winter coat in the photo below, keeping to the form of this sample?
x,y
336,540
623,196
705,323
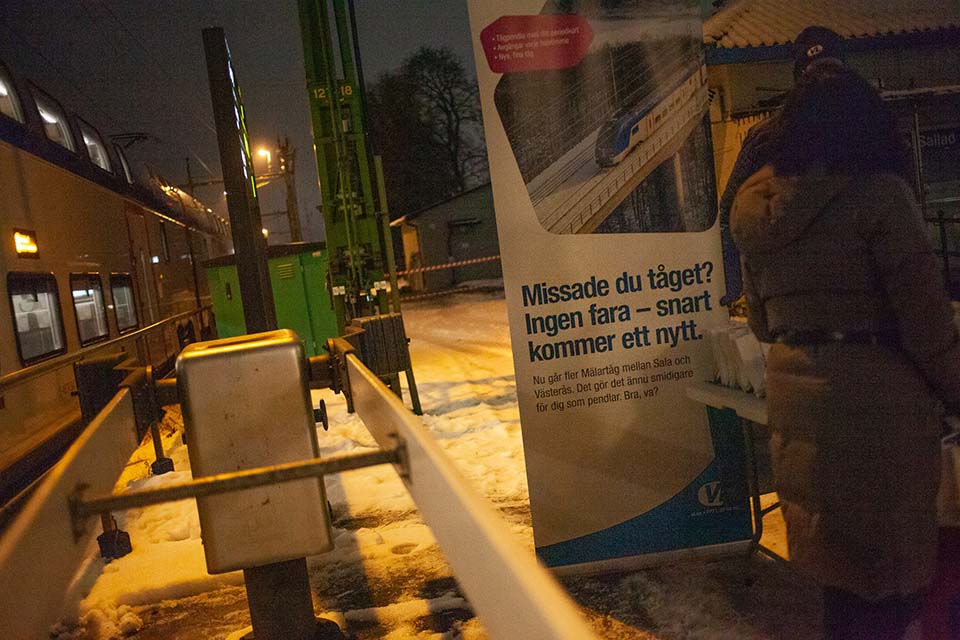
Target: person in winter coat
x,y
814,43
839,276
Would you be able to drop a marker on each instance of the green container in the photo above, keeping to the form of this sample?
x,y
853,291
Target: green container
x,y
298,275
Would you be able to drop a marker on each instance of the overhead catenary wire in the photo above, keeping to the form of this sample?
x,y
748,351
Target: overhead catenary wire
x,y
59,70
68,75
207,124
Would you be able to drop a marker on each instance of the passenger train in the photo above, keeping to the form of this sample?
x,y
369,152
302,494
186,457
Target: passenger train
x,y
94,259
629,127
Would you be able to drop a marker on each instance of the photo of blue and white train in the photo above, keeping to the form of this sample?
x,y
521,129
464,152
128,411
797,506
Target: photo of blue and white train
x,y
616,143
630,127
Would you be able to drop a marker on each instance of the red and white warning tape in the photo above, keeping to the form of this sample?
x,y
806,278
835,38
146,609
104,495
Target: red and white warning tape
x,y
449,265
451,291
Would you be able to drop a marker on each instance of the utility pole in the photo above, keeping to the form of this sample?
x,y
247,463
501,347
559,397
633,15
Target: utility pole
x,y
240,185
288,158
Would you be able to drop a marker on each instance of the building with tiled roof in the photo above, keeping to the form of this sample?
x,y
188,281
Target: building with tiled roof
x,y
910,49
749,28
889,41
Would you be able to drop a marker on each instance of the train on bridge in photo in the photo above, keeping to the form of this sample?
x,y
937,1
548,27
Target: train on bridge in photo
x,y
96,258
629,127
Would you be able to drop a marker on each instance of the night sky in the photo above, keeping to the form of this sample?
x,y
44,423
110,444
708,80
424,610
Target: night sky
x,y
138,66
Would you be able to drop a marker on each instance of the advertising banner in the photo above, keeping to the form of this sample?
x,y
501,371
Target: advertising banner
x,y
595,115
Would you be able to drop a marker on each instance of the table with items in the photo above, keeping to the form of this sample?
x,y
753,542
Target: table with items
x,y
737,389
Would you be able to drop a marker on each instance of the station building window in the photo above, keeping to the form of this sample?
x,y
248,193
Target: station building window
x,y
54,121
35,304
124,165
124,302
95,148
8,98
87,292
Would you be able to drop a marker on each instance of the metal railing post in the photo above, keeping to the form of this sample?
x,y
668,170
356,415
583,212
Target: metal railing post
x,y
161,464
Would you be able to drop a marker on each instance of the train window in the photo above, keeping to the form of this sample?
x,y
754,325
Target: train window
x,y
94,143
8,98
124,164
36,313
91,315
124,303
54,121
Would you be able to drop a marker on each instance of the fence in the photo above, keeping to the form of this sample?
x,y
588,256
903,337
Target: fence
x,y
514,596
137,338
35,395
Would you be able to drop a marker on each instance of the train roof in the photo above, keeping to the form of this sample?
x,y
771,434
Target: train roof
x,y
36,122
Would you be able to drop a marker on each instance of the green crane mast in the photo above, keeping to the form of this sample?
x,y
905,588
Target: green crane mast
x,y
357,226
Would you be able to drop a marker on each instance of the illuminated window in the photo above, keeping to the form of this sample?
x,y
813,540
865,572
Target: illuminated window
x,y
36,315
8,98
124,164
88,305
95,149
54,121
124,303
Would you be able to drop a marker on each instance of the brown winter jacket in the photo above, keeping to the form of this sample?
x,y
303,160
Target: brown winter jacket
x,y
854,426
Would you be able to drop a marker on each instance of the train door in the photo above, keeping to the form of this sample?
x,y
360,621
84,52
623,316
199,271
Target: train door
x,y
140,254
192,253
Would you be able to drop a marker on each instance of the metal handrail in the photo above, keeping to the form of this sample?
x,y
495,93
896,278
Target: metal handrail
x,y
28,373
82,506
499,575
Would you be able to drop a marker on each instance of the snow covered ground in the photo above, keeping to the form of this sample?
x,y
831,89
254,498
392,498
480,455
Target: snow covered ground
x,y
387,578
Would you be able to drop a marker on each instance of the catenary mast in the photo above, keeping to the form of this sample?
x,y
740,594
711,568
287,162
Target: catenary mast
x,y
357,234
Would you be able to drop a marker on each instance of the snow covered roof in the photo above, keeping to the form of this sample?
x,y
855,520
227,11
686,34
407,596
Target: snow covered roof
x,y
771,23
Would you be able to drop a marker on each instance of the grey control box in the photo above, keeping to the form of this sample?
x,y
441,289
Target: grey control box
x,y
246,404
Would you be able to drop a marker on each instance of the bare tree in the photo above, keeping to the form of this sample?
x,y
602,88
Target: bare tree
x,y
448,101
426,122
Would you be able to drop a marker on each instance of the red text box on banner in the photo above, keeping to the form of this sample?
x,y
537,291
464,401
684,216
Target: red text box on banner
x,y
535,43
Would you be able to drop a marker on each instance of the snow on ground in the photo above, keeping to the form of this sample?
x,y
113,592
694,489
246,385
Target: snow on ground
x,y
387,578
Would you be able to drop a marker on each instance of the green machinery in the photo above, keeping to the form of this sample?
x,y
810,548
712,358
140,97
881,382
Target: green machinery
x,y
298,274
362,275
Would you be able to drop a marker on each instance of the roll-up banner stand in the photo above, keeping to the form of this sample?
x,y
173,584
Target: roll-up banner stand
x,y
598,137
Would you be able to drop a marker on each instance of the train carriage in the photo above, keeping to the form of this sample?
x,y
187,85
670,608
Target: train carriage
x,y
93,259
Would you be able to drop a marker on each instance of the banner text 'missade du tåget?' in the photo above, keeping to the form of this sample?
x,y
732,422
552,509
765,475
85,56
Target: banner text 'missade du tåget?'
x,y
604,316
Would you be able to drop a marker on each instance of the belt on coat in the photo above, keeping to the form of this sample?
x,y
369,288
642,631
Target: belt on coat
x,y
809,337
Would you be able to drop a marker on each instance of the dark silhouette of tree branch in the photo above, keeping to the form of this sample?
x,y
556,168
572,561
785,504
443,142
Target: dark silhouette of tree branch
x,y
426,122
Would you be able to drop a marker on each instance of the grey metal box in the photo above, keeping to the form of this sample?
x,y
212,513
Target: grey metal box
x,y
246,404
